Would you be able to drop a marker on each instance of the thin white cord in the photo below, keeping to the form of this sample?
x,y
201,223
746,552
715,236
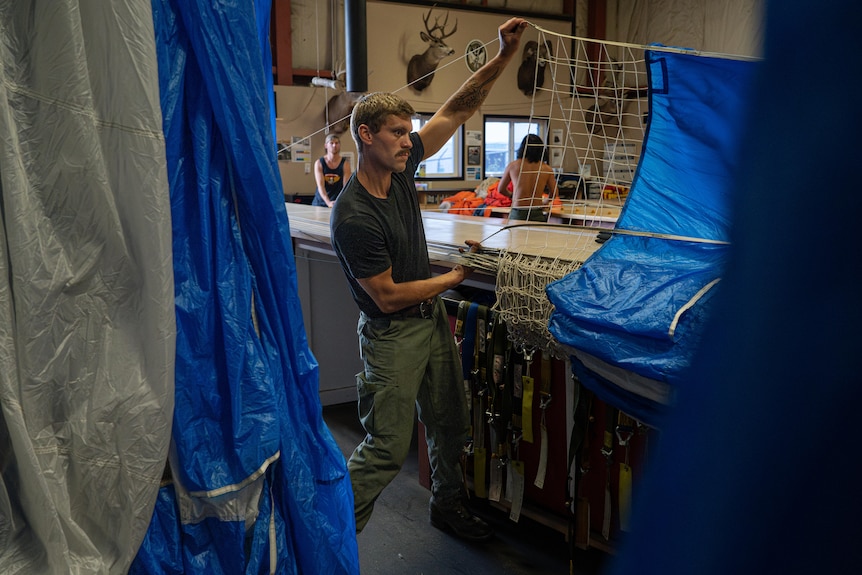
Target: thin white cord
x,y
654,48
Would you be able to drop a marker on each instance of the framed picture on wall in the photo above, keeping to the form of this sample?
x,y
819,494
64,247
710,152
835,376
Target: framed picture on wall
x,y
283,149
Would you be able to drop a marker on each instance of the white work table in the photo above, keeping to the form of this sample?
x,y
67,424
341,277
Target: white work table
x,y
328,308
445,233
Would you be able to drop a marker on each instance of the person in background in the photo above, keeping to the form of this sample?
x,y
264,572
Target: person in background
x,y
409,354
331,171
530,177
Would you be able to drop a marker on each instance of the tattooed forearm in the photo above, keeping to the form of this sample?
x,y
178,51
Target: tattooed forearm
x,y
469,98
475,90
472,93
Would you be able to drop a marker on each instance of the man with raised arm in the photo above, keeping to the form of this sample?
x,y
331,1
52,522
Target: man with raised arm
x,y
406,345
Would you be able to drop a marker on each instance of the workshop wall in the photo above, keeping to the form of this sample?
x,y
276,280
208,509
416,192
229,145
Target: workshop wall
x,y
393,37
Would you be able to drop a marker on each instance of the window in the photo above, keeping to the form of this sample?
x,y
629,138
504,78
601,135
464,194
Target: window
x,y
447,163
503,135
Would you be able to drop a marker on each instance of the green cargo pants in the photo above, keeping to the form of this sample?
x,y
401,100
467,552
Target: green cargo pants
x,y
410,364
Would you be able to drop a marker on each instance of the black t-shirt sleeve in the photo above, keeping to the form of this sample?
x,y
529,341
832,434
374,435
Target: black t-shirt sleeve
x,y
363,247
416,154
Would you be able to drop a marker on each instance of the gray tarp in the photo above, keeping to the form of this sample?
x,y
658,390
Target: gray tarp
x,y
87,333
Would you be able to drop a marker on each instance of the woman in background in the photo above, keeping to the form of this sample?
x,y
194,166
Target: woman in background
x,y
330,173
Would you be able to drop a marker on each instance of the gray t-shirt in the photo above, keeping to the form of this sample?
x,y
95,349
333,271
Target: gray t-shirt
x,y
371,234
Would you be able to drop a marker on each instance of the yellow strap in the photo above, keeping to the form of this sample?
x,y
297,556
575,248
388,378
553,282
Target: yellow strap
x,y
527,408
478,427
625,432
479,472
625,496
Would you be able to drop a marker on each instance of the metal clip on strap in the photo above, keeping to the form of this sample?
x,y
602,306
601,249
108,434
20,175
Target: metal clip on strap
x,y
426,308
468,349
610,432
624,434
463,306
546,381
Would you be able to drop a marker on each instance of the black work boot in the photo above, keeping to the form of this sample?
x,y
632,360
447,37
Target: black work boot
x,y
458,518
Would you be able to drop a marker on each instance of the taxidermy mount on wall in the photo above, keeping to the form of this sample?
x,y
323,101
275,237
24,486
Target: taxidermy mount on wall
x,y
531,72
420,69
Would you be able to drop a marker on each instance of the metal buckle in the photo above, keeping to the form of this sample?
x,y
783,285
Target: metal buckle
x,y
624,434
426,309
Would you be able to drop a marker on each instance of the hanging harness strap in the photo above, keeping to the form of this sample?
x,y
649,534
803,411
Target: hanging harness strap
x,y
582,505
516,377
508,404
544,401
482,346
608,452
495,366
480,369
499,345
578,459
480,382
465,337
465,328
463,306
511,413
516,488
511,364
527,385
625,431
502,374
575,434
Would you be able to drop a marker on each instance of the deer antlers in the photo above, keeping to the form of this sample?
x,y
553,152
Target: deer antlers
x,y
420,68
437,25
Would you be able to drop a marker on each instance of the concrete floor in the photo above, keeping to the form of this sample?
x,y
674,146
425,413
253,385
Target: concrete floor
x,y
400,540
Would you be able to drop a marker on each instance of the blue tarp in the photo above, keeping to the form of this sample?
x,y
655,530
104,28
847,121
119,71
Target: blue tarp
x,y
638,304
257,473
758,469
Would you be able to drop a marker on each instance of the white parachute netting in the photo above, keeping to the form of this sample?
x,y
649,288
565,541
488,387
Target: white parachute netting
x,y
592,95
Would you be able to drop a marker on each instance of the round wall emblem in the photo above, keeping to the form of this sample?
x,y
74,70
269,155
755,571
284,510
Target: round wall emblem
x,y
475,55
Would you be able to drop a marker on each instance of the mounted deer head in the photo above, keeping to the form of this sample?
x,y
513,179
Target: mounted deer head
x,y
420,69
531,72
340,106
